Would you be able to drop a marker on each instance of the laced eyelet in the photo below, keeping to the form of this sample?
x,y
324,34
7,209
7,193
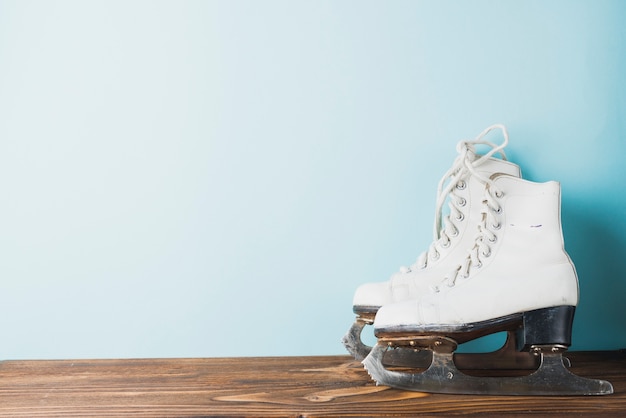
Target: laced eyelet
x,y
461,185
454,233
492,240
487,254
445,244
459,217
479,265
496,226
436,255
499,194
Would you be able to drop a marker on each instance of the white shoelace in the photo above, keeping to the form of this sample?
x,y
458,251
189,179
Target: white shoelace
x,y
464,165
485,237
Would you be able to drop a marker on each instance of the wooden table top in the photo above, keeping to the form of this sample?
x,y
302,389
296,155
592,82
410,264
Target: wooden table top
x,y
267,386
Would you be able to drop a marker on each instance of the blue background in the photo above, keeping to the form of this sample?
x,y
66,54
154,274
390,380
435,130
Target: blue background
x,y
216,178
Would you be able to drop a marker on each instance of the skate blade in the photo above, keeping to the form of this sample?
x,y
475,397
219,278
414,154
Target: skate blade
x,y
507,357
551,378
352,340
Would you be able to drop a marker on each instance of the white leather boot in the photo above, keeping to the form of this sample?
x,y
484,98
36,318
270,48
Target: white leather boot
x,y
462,187
518,264
516,278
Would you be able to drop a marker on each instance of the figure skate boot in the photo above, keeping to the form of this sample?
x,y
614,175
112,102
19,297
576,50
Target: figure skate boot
x,y
462,187
517,278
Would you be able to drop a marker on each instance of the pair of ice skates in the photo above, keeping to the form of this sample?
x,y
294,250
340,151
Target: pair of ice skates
x,y
497,264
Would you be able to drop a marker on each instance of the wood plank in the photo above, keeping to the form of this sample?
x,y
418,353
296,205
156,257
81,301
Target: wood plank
x,y
266,386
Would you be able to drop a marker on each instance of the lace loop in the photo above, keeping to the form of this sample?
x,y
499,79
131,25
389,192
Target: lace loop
x,y
482,249
456,180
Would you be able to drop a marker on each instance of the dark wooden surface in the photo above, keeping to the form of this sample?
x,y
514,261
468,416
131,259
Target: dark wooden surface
x,y
267,386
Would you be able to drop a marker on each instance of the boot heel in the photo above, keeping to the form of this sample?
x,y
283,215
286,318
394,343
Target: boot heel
x,y
547,326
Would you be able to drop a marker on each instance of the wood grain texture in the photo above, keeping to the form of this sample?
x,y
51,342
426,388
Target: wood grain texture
x,y
267,386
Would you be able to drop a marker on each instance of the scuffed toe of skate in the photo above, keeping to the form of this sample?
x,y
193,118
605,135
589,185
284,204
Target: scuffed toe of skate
x,y
397,316
370,296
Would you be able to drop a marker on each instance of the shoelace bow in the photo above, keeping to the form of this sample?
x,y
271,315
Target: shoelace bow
x,y
458,175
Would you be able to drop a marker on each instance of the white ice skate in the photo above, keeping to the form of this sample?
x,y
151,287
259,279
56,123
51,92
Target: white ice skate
x,y
516,278
462,187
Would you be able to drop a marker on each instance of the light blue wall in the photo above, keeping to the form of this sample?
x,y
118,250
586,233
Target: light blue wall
x,y
216,178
